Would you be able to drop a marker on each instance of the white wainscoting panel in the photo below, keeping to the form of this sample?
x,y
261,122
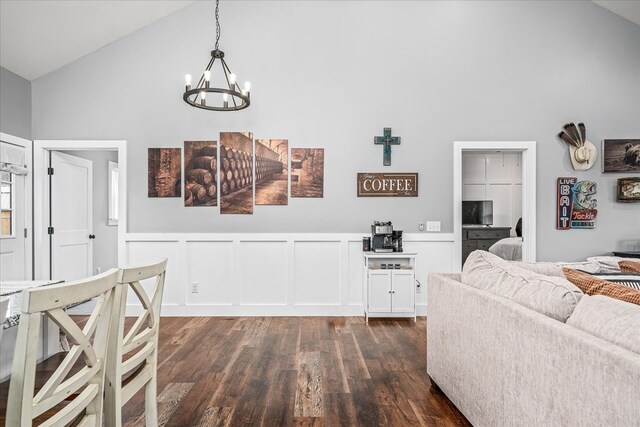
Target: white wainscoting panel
x,y
209,264
317,273
273,274
145,252
356,273
262,269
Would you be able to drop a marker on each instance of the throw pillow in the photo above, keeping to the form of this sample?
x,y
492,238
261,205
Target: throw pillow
x,y
592,285
629,266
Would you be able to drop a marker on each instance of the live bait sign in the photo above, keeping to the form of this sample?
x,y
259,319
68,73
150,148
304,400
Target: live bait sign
x,y
387,184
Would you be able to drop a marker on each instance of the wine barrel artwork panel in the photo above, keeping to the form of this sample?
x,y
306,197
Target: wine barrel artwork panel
x,y
272,171
236,172
307,172
201,173
164,172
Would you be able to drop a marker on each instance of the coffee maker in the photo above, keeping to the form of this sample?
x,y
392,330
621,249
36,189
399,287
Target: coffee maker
x,y
382,236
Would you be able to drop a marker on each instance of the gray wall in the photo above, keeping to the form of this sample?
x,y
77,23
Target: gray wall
x,y
15,104
333,74
105,248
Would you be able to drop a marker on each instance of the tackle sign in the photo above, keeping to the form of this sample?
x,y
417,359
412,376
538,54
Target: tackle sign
x,y
576,205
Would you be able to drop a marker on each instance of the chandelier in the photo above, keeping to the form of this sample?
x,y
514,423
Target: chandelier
x,y
227,96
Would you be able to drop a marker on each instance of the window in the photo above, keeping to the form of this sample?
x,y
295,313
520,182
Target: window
x,y
7,197
113,193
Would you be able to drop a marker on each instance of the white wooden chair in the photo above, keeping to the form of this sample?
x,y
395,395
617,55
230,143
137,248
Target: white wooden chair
x,y
89,343
139,344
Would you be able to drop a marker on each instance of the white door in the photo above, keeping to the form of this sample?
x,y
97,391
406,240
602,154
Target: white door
x,y
71,217
13,211
379,291
404,292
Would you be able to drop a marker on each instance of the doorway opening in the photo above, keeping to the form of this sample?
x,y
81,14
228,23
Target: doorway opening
x,y
509,186
15,209
79,208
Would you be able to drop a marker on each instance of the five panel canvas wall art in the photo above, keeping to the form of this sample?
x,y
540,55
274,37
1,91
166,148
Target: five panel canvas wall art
x,y
234,170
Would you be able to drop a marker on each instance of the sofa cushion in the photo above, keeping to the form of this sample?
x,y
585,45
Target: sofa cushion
x,y
552,296
555,268
608,264
629,266
610,319
592,285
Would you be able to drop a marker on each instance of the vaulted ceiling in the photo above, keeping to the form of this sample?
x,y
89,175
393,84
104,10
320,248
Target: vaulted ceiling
x,y
40,36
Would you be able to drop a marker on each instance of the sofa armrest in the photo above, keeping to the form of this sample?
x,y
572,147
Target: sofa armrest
x,y
503,364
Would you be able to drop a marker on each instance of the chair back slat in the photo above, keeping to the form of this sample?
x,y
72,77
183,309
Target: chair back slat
x,y
38,300
139,343
88,344
137,273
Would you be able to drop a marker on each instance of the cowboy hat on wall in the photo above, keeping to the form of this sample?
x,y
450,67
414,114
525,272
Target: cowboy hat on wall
x,y
581,152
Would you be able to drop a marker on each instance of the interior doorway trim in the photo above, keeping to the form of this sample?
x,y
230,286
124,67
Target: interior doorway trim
x,y
40,206
528,150
28,188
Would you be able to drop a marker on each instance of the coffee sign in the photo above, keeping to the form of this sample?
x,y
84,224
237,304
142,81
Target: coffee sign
x,y
387,184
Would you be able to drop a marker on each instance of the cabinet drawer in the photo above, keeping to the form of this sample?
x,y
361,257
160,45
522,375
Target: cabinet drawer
x,y
469,245
488,234
485,244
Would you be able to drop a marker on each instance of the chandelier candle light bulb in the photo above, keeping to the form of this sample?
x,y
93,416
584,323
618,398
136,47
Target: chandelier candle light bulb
x,y
233,98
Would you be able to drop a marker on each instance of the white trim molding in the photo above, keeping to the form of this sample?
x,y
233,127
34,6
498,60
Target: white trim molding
x,y
40,204
528,150
273,274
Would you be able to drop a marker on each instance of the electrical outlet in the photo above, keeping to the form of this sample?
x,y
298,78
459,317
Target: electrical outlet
x,y
194,287
433,225
98,270
421,226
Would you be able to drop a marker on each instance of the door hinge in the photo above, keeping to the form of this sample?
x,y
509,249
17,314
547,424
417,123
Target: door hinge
x,y
50,230
25,233
49,171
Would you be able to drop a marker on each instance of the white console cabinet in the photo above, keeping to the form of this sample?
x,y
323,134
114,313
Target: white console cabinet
x,y
390,291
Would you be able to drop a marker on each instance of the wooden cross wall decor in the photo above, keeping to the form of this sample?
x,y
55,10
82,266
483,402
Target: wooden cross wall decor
x,y
387,141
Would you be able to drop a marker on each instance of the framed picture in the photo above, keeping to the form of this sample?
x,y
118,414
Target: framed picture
x,y
628,190
164,172
621,155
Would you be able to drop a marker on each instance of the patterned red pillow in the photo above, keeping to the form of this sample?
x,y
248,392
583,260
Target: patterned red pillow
x,y
630,266
592,285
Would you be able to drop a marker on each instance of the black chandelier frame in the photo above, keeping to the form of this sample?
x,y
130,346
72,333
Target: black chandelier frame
x,y
194,95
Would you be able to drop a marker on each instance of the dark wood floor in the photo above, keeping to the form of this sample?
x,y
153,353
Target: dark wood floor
x,y
292,371
295,371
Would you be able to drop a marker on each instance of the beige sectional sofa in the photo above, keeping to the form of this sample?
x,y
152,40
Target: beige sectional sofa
x,y
507,356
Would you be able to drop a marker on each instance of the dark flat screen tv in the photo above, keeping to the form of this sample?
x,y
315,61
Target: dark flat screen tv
x,y
477,212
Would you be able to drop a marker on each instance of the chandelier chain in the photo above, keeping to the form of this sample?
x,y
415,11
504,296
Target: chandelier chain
x,y
217,23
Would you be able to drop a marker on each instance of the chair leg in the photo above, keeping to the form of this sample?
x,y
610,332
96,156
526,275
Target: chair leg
x,y
112,407
151,402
